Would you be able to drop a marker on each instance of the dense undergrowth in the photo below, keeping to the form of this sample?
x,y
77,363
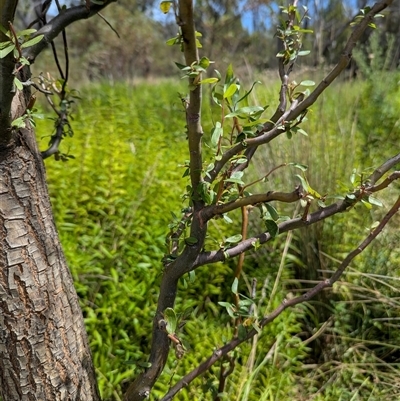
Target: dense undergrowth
x,y
113,203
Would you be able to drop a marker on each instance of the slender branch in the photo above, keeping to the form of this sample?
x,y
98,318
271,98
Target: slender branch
x,y
386,182
193,107
58,136
239,266
384,168
109,24
262,178
223,351
66,55
192,257
56,59
269,134
312,218
141,387
286,197
41,19
265,138
53,28
284,77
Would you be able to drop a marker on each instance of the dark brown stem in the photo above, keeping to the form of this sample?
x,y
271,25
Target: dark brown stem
x,y
193,109
264,177
224,373
141,387
239,266
16,42
54,27
267,134
384,168
286,197
312,218
223,351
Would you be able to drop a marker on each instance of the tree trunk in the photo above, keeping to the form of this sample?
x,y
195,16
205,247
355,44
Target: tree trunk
x,y
44,351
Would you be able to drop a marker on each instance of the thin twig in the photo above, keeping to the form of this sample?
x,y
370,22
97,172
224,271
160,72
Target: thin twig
x,y
109,24
312,218
267,134
221,352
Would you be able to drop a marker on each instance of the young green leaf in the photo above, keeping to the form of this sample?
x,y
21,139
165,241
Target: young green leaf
x,y
18,84
236,178
374,201
272,227
6,50
307,83
170,318
272,211
26,32
303,53
234,287
245,111
229,76
165,6
304,182
229,308
19,122
32,41
216,134
174,41
234,239
209,81
227,219
191,240
366,204
248,93
302,167
230,91
192,276
179,65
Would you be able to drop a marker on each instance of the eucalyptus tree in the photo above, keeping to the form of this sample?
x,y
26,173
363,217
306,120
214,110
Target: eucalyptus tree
x,y
44,352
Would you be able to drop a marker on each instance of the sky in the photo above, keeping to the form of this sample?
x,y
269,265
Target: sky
x,y
263,14
248,16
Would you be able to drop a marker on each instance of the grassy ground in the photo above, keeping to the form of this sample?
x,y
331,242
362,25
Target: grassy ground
x,y
112,204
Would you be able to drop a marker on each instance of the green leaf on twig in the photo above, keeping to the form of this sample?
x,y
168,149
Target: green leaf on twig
x,y
165,6
170,318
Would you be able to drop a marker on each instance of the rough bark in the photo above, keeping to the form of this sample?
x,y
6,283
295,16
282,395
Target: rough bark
x,y
44,352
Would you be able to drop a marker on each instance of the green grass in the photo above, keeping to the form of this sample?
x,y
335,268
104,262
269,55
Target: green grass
x,y
112,205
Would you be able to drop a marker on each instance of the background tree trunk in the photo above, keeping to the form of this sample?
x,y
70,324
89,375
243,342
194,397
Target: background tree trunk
x,y
44,351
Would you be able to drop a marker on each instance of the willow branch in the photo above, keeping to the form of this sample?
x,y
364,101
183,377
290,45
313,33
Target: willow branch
x,y
58,135
304,221
53,28
272,134
285,197
193,107
284,77
385,183
223,351
292,224
141,387
267,134
384,168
